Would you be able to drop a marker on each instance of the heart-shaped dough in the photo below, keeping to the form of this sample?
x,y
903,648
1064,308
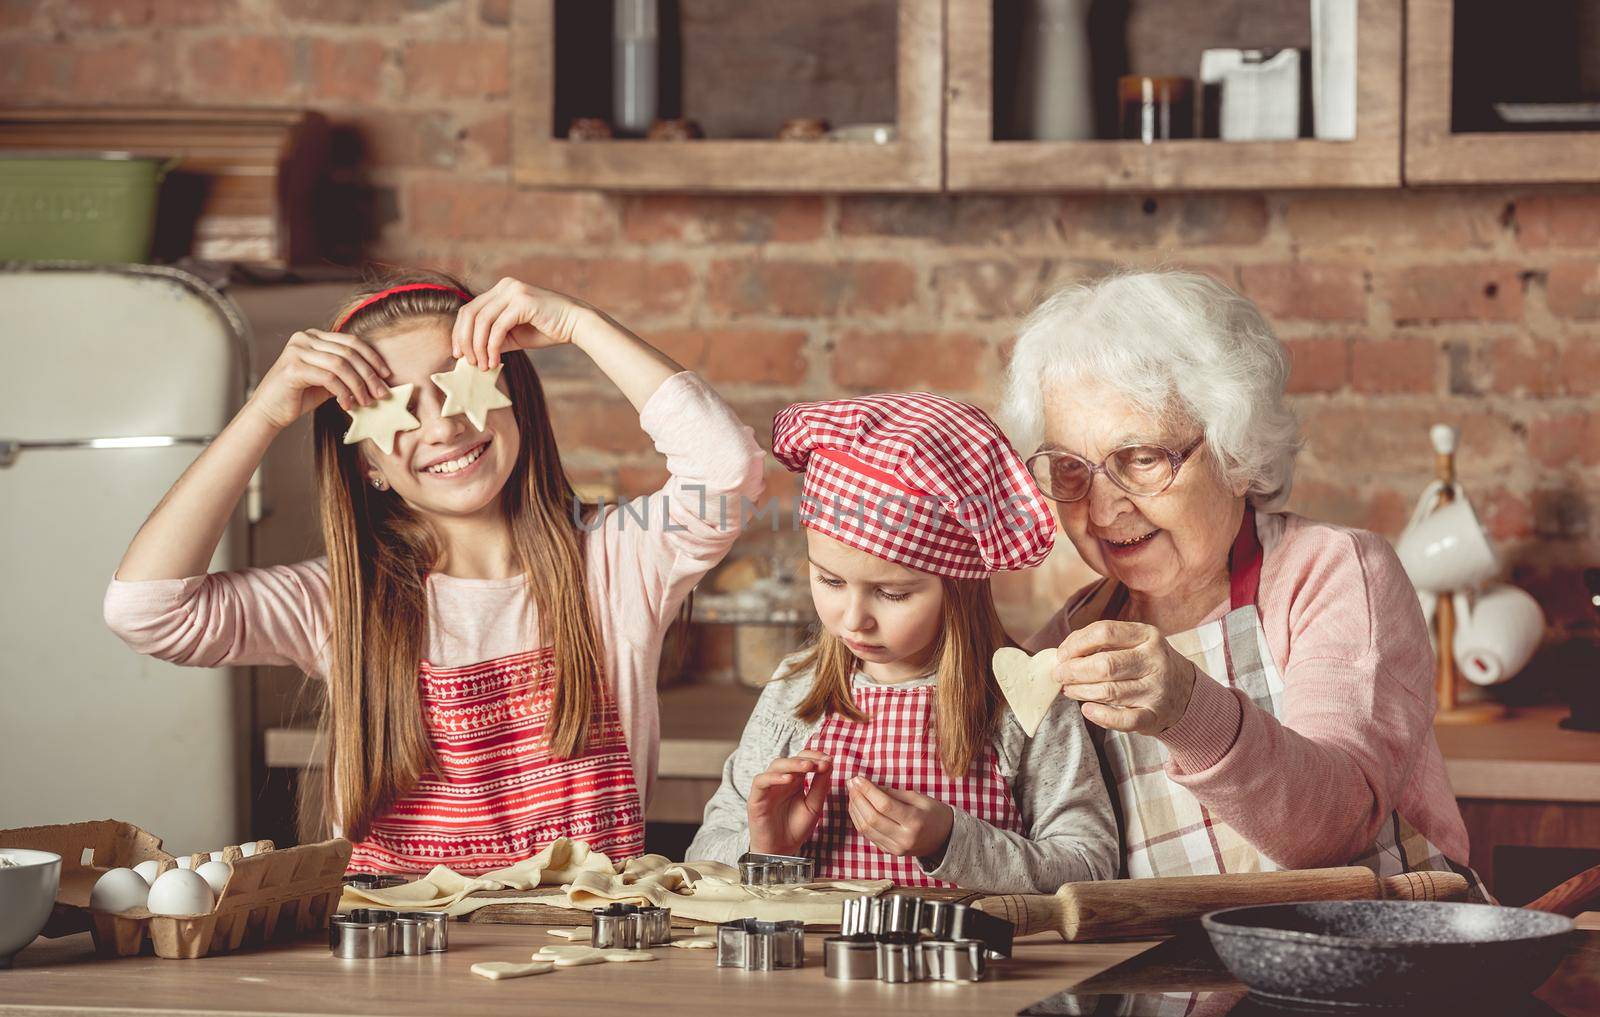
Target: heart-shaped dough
x,y
496,970
1028,684
570,956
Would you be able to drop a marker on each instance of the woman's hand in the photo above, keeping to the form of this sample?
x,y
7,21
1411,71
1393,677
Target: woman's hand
x,y
903,823
781,811
315,366
1126,676
513,315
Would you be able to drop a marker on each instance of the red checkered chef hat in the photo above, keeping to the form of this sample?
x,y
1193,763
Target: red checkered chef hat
x,y
916,479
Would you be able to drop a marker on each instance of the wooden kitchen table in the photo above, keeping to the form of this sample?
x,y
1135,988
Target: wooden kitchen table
x,y
59,976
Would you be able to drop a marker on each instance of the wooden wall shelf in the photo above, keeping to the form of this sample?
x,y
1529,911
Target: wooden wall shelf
x,y
910,163
944,100
977,162
1434,154
242,180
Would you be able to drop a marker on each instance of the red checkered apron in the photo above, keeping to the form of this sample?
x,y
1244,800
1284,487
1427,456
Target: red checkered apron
x,y
1166,830
898,747
500,797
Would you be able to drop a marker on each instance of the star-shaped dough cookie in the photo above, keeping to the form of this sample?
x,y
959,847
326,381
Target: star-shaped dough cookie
x,y
1027,683
383,419
471,391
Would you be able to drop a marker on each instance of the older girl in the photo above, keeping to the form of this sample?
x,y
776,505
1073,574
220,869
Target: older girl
x,y
489,655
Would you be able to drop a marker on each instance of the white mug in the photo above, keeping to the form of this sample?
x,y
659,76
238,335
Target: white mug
x,y
1447,550
1497,632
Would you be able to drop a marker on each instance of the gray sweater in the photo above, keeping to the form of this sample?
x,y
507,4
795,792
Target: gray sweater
x,y
1054,778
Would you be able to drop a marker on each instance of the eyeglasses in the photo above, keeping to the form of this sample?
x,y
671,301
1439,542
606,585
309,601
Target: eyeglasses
x,y
1138,469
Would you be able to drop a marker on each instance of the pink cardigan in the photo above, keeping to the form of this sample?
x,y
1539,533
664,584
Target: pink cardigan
x,y
1356,737
638,575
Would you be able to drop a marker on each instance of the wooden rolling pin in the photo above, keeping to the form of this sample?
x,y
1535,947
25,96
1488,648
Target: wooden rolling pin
x,y
1133,908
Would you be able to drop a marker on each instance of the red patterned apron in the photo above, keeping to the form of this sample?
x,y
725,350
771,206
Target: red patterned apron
x,y
898,747
500,797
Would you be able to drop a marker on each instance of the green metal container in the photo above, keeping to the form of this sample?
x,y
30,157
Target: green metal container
x,y
78,207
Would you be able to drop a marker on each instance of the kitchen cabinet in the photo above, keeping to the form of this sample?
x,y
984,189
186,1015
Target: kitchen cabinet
x,y
977,160
1449,145
561,50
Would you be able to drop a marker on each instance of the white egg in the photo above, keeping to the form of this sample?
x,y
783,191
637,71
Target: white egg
x,y
119,890
248,849
185,861
216,875
216,856
180,892
148,870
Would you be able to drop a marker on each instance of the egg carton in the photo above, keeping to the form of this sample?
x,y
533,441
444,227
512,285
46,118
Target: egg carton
x,y
269,894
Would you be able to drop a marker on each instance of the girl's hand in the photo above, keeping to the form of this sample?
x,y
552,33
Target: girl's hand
x,y
903,823
315,366
781,812
513,315
1126,675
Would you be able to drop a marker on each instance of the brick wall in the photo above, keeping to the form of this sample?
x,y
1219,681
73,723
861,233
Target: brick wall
x,y
1477,307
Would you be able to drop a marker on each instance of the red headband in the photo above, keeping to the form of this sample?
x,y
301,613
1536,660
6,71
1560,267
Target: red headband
x,y
386,294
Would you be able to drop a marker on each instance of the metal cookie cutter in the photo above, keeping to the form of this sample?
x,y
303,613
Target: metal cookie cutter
x,y
961,960
899,957
850,958
410,936
901,914
761,946
361,934
756,869
853,955
883,938
859,917
372,881
967,922
630,927
436,929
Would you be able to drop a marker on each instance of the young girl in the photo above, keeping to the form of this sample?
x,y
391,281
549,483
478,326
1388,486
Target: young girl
x,y
886,750
489,653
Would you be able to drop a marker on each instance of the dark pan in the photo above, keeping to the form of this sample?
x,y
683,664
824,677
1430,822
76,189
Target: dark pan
x,y
1389,952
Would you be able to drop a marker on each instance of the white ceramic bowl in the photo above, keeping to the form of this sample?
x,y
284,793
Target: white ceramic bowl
x,y
27,893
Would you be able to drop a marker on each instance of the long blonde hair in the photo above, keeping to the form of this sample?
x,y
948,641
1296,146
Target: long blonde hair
x,y
967,698
379,555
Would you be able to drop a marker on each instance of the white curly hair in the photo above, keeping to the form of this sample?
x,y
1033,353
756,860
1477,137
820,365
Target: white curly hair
x,y
1172,343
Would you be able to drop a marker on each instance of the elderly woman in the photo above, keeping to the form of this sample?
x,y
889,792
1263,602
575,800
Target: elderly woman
x,y
1263,682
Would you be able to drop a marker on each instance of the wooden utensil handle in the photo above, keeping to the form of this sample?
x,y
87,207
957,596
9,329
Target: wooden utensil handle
x,y
1572,897
1126,908
1428,885
1030,912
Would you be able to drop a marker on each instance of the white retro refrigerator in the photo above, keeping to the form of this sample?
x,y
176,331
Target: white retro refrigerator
x,y
113,379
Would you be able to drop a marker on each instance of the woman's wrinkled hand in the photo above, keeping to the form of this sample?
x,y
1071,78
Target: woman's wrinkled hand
x,y
1126,676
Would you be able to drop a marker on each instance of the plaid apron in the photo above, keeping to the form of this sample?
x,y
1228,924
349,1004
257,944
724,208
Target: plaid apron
x,y
898,747
1166,830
